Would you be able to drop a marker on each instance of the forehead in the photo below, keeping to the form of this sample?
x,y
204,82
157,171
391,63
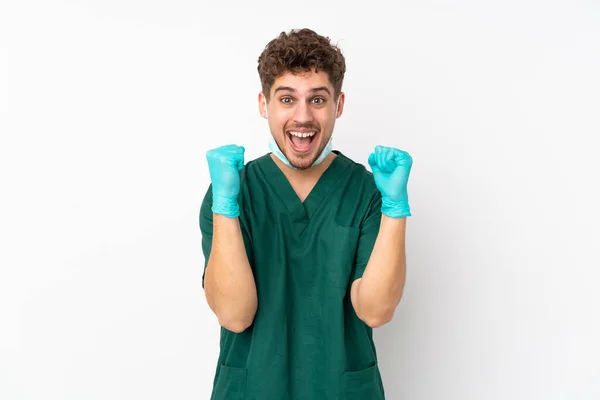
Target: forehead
x,y
302,82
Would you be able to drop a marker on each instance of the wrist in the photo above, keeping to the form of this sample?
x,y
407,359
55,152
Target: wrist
x,y
395,208
226,205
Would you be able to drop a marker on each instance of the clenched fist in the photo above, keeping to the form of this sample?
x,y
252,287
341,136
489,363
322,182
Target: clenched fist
x,y
391,169
225,164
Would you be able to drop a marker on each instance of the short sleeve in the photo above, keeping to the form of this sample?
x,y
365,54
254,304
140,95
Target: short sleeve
x,y
369,230
206,230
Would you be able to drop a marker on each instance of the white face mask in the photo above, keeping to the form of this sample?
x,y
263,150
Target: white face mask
x,y
277,151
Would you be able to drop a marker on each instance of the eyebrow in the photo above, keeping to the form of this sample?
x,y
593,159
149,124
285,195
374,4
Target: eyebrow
x,y
291,89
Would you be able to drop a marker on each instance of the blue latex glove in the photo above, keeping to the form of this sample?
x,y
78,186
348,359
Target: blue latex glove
x,y
225,164
391,168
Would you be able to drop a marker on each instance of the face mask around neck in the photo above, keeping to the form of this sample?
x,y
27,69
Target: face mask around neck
x,y
277,152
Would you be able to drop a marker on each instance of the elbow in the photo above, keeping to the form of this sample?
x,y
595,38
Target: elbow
x,y
375,315
375,321
234,320
236,324
237,321
375,308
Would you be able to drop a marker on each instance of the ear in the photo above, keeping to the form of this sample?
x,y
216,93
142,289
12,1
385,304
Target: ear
x,y
262,105
340,104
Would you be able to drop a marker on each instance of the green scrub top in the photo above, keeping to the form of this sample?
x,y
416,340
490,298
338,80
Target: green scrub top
x,y
306,341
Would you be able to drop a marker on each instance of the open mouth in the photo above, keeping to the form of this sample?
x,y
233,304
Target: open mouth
x,y
302,141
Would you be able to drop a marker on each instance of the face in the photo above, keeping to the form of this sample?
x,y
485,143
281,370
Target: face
x,y
301,115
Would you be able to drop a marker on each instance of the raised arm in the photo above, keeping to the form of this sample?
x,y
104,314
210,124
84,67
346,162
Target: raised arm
x,y
228,280
377,292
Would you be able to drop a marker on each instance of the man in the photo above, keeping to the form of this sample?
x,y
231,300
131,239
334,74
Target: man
x,y
305,248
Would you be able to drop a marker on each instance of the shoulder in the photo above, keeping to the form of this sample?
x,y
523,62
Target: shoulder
x,y
361,194
254,167
360,177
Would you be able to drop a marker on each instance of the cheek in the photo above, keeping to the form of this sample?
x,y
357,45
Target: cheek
x,y
327,123
277,125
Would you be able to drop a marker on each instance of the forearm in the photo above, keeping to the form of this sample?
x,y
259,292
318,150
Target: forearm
x,y
376,295
229,283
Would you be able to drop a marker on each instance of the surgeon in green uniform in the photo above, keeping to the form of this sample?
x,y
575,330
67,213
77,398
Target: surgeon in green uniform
x,y
304,247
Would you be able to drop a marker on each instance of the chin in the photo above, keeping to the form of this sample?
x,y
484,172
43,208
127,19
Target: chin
x,y
303,161
303,165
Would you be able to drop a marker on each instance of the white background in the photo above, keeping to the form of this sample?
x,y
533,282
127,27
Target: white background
x,y
107,109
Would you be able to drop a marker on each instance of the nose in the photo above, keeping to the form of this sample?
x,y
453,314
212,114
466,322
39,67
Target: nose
x,y
303,113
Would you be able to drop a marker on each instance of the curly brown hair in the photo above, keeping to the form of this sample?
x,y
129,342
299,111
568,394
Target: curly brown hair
x,y
301,50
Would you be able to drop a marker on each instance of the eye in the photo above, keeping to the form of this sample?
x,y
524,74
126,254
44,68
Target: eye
x,y
319,100
285,100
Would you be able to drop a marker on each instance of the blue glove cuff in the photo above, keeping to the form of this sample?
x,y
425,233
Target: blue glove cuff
x,y
395,208
227,206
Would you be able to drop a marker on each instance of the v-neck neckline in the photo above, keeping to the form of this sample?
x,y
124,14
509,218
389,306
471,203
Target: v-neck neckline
x,y
301,211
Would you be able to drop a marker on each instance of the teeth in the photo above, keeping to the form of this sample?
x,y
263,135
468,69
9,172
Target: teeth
x,y
303,135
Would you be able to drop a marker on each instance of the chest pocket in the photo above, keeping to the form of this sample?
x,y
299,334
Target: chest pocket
x,y
341,255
